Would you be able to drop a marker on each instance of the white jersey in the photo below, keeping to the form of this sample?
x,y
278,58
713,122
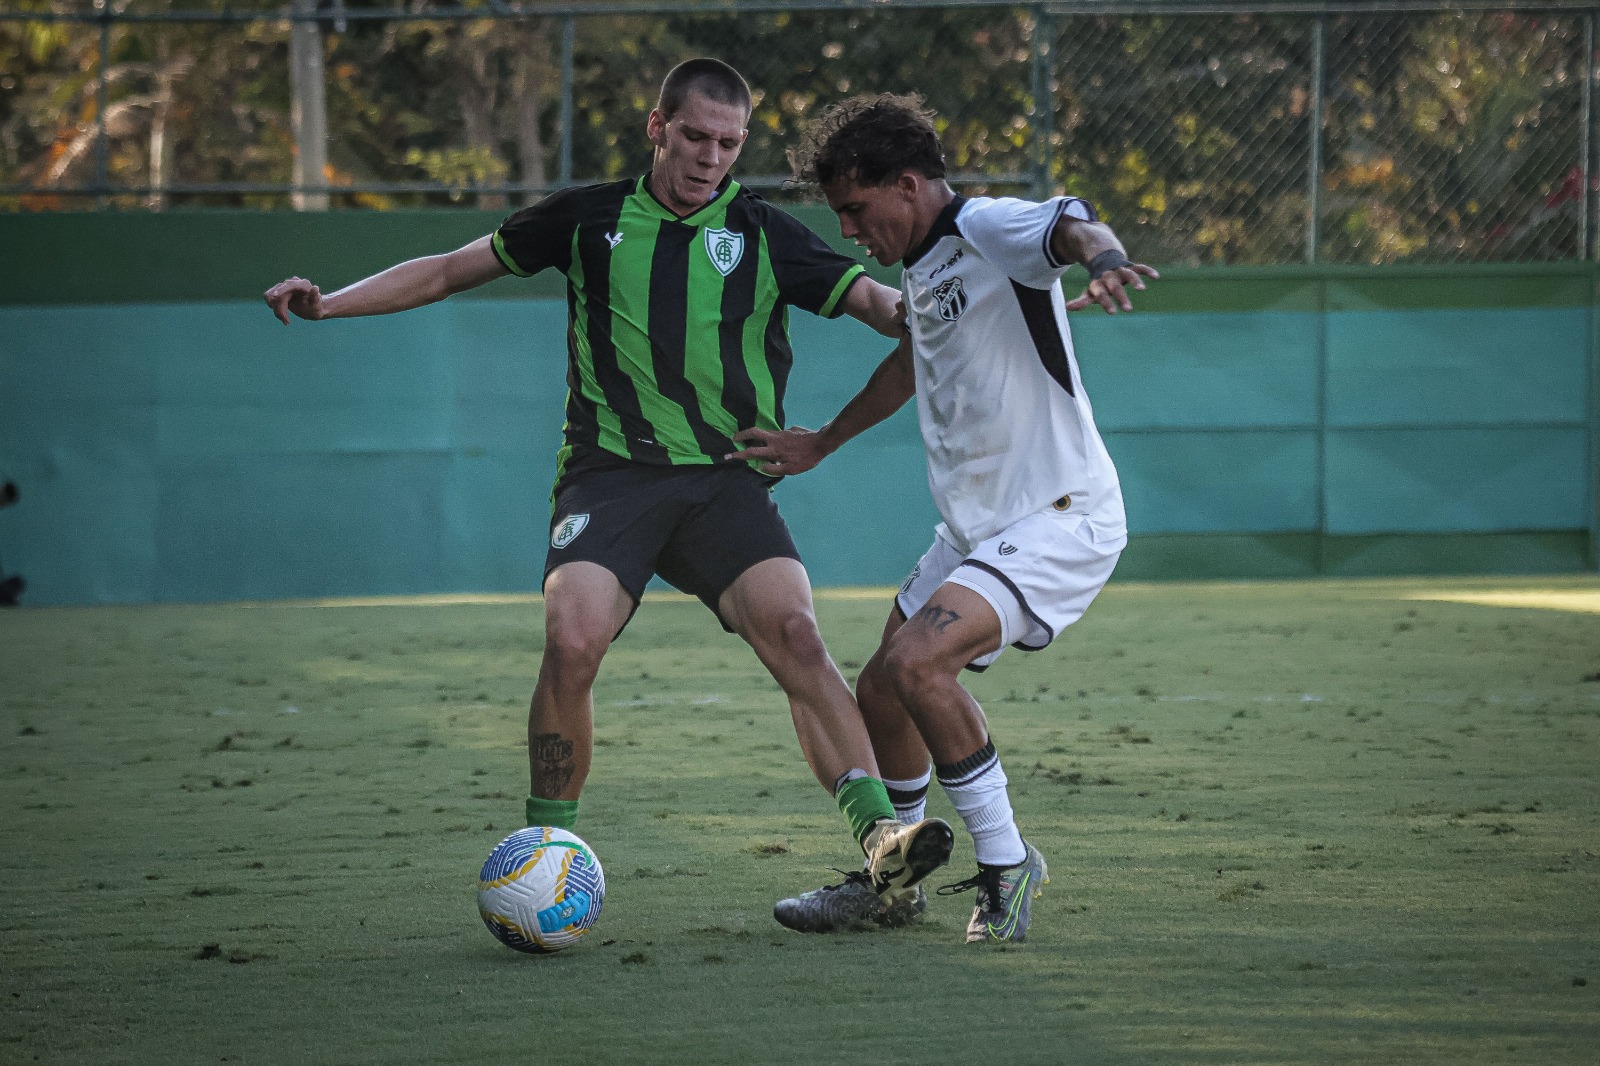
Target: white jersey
x,y
1005,419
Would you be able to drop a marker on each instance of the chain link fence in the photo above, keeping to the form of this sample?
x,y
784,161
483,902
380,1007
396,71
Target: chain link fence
x,y
1247,133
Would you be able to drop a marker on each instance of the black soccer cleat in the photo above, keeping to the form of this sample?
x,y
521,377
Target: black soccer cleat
x,y
850,904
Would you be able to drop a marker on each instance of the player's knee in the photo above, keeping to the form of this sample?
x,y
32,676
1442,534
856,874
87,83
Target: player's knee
x,y
873,686
907,666
793,636
913,670
876,693
572,657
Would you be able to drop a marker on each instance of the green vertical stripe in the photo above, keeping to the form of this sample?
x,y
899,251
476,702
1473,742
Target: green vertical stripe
x,y
563,457
703,365
670,313
610,427
632,266
755,338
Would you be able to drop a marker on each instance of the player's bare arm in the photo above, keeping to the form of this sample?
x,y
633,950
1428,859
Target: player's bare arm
x,y
1096,246
797,449
875,304
414,283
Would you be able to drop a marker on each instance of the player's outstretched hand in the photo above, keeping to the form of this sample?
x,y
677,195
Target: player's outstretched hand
x,y
1110,290
295,296
780,451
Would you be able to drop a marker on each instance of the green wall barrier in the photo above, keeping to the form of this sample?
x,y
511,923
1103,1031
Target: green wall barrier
x,y
172,442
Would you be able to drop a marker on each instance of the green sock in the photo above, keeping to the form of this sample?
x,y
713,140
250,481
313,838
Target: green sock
x,y
864,801
562,814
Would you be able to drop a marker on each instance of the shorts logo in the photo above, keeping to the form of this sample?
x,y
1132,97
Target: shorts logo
x,y
952,299
568,530
916,571
1007,549
725,248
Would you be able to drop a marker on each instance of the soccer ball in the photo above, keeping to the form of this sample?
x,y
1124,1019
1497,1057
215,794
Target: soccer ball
x,y
540,890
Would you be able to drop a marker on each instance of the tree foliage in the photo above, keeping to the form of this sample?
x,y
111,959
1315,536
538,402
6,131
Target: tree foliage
x,y
1444,136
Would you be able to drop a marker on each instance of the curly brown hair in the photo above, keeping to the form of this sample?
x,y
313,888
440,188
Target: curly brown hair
x,y
870,140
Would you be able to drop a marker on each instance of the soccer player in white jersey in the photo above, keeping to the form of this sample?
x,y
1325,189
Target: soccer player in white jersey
x,y
1033,519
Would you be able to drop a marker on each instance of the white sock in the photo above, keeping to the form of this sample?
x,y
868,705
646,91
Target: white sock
x,y
910,797
977,789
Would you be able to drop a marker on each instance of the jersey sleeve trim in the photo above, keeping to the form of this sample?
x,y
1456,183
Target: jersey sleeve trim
x,y
499,245
831,308
1078,208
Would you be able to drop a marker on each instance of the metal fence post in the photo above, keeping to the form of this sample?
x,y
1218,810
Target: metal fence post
x,y
308,109
1042,124
569,32
102,149
1319,55
1589,252
1586,247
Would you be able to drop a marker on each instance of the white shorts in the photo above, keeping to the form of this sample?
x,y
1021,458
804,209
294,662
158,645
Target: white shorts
x,y
1039,574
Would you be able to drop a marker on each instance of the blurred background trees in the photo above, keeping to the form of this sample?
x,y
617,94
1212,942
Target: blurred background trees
x,y
1445,136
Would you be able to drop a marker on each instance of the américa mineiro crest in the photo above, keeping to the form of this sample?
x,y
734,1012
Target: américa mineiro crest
x,y
568,530
725,248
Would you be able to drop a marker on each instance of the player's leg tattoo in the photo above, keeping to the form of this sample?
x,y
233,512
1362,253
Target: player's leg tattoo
x,y
936,617
550,755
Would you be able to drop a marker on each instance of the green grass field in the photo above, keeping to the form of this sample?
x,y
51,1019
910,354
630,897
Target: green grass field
x,y
1303,823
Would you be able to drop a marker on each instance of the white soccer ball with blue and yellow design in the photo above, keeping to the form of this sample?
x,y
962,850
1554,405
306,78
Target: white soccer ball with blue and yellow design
x,y
540,889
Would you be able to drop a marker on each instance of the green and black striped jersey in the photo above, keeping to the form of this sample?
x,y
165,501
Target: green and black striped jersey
x,y
677,328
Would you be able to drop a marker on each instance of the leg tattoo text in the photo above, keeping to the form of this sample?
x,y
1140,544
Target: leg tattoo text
x,y
551,757
936,617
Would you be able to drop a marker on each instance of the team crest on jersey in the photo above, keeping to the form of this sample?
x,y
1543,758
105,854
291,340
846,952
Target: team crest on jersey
x,y
568,530
725,248
952,299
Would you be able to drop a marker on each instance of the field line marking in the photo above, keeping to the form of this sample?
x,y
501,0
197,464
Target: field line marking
x,y
1573,600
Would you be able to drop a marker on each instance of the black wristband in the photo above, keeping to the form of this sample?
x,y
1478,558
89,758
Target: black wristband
x,y
1108,260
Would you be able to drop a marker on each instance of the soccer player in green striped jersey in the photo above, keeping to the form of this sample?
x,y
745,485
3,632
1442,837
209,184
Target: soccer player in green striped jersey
x,y
679,284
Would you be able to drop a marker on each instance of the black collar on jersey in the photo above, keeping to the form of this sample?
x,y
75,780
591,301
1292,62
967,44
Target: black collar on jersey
x,y
943,226
644,183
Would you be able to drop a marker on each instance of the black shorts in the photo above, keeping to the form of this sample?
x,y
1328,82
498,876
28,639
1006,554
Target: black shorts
x,y
698,527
